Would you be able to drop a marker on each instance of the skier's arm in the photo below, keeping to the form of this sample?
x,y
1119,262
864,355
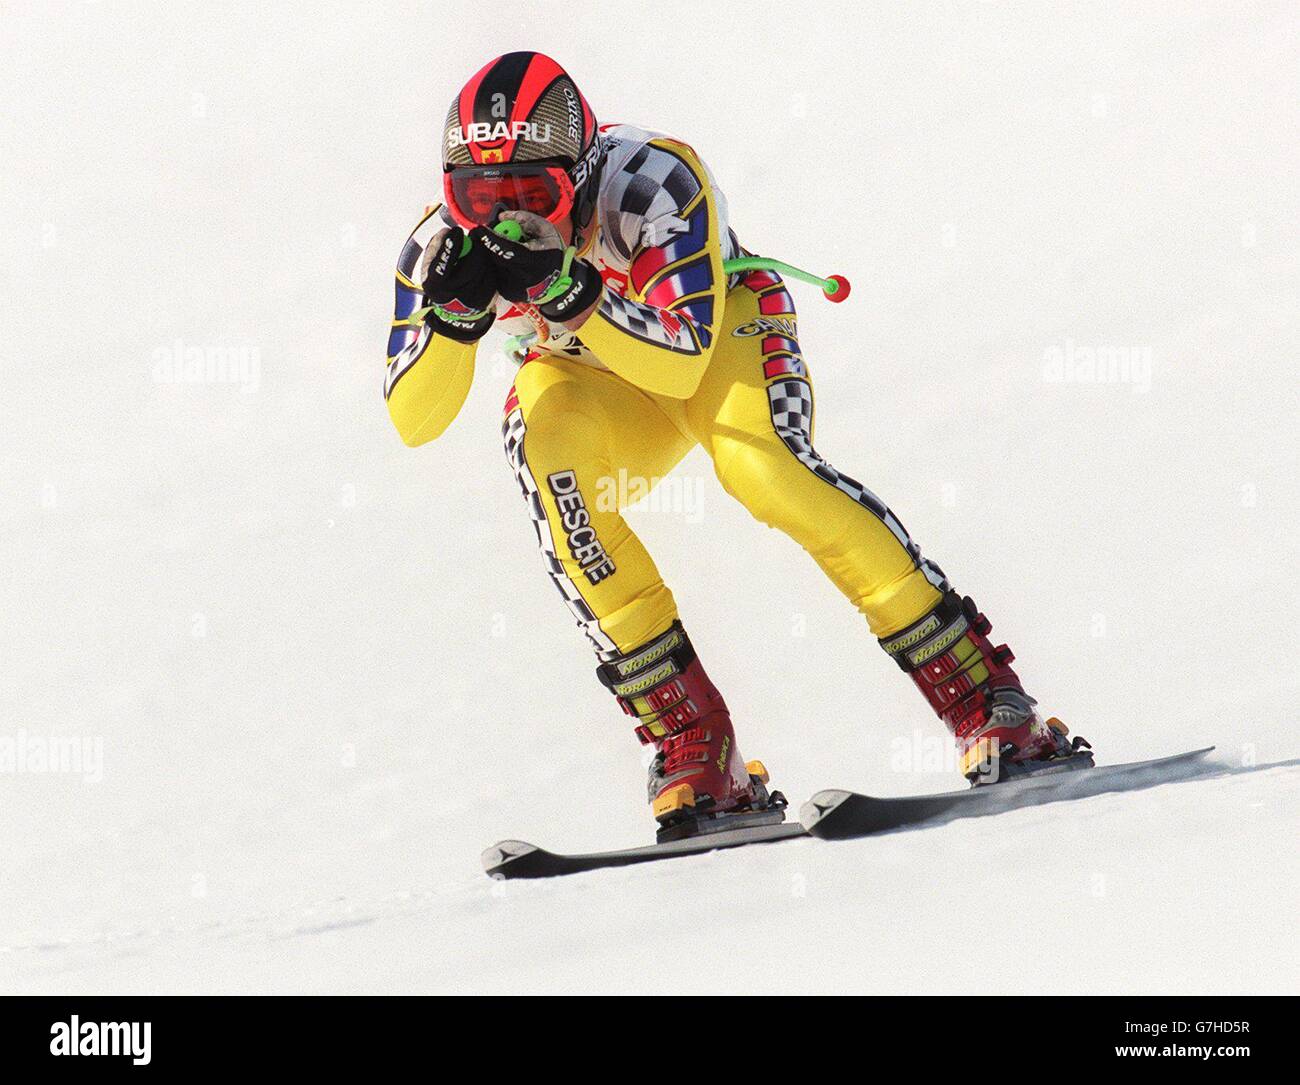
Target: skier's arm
x,y
661,336
429,374
427,383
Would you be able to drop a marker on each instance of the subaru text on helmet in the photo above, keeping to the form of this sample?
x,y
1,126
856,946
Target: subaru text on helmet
x,y
520,136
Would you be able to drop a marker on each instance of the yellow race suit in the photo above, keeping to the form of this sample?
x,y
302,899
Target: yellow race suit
x,y
677,354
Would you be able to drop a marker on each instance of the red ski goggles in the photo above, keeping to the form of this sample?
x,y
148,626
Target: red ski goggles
x,y
475,194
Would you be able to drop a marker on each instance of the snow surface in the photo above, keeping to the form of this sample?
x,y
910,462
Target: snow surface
x,y
325,671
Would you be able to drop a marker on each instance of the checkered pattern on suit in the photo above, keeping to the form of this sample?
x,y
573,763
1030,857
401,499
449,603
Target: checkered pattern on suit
x,y
652,184
791,404
513,432
644,322
643,204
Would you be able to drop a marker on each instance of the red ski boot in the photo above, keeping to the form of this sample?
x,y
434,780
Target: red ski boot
x,y
971,686
698,781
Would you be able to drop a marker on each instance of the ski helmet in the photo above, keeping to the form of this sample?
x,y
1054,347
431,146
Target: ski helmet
x,y
520,135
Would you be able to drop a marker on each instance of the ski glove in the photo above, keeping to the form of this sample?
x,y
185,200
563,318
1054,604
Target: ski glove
x,y
539,269
459,288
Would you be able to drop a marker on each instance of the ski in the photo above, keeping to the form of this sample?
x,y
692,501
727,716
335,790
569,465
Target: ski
x,y
519,859
843,815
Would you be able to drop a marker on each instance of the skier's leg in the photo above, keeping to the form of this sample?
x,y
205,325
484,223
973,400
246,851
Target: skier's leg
x,y
570,431
753,413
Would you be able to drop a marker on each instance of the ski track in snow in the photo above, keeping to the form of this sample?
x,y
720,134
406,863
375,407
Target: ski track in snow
x,y
326,671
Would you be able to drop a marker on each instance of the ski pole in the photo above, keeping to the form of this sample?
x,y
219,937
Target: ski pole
x,y
836,287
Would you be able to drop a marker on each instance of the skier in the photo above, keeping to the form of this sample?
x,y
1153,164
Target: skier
x,y
602,250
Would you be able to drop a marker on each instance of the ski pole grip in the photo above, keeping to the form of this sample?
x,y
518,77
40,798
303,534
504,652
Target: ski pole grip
x,y
509,229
